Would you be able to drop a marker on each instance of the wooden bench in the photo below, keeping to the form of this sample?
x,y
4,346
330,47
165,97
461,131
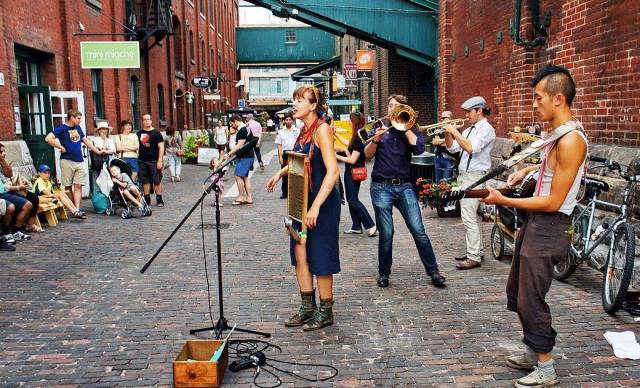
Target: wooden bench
x,y
49,211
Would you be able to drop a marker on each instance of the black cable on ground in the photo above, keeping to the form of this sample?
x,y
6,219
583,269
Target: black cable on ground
x,y
253,353
206,270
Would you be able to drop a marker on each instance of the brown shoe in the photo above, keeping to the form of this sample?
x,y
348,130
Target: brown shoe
x,y
468,264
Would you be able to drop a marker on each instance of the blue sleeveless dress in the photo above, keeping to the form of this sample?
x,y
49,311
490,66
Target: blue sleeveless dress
x,y
323,249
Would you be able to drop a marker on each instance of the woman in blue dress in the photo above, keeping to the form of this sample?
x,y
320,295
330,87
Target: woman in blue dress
x,y
320,255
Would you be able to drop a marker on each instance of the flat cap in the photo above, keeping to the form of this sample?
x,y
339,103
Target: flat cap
x,y
474,103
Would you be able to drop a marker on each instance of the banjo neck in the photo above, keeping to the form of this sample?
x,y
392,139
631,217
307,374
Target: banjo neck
x,y
481,193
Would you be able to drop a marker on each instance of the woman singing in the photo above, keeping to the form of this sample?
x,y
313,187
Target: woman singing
x,y
355,158
320,255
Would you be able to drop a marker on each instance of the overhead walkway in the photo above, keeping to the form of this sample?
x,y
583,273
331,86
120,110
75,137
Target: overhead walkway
x,y
407,27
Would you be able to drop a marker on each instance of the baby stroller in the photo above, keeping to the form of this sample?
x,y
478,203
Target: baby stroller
x,y
117,199
507,220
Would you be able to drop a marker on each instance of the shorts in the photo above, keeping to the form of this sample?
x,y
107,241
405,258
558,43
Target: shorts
x,y
133,163
243,167
73,173
16,200
149,172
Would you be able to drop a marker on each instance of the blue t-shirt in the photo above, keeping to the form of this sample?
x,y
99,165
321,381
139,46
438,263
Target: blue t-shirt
x,y
71,140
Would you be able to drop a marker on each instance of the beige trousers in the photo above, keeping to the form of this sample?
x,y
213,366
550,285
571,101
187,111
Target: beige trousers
x,y
469,214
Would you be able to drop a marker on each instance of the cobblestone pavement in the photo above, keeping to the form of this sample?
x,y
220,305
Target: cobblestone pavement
x,y
76,311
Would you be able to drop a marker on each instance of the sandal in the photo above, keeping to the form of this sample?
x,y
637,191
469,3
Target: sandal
x,y
79,215
236,202
34,229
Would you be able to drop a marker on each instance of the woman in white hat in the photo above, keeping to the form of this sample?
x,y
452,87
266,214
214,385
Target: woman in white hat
x,y
105,145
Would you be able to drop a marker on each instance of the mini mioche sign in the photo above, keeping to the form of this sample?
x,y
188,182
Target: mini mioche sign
x,y
110,55
202,82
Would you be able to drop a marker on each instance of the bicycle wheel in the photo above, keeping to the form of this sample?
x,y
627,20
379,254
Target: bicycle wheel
x,y
617,274
565,267
497,243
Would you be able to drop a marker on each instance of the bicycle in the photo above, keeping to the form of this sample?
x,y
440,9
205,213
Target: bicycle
x,y
618,266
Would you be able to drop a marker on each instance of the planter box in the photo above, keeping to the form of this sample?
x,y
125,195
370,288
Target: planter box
x,y
201,372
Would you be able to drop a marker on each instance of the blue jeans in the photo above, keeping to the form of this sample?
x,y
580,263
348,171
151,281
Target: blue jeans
x,y
359,215
444,168
384,197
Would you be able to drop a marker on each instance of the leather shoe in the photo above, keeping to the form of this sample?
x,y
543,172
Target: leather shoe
x,y
468,264
438,280
465,258
383,281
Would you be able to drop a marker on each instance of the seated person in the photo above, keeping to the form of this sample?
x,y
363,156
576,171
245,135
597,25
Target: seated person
x,y
43,187
127,188
6,212
21,205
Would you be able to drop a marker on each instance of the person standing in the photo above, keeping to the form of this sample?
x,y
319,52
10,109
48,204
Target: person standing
x,y
127,146
320,255
475,144
68,138
543,239
445,161
173,145
150,158
392,186
256,130
360,217
221,134
285,141
107,148
244,163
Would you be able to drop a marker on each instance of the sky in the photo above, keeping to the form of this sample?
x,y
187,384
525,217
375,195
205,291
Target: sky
x,y
251,15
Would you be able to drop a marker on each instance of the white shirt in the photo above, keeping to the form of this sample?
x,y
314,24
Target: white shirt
x,y
287,137
101,144
221,135
482,137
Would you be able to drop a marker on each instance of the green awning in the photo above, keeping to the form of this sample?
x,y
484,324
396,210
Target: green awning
x,y
309,71
344,102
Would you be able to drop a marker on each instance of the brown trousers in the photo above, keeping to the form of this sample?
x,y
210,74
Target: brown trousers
x,y
541,242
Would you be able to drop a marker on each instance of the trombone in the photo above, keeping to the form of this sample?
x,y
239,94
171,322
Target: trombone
x,y
403,118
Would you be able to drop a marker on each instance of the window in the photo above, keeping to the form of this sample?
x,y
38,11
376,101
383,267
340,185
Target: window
x,y
290,37
135,102
212,16
276,86
268,87
201,7
95,4
160,102
203,55
97,93
192,51
28,71
177,44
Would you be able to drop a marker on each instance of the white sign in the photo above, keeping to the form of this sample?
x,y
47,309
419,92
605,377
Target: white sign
x,y
341,81
1,79
211,96
16,117
206,154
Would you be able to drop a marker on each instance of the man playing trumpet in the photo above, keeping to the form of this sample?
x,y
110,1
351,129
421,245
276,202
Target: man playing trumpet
x,y
475,143
392,186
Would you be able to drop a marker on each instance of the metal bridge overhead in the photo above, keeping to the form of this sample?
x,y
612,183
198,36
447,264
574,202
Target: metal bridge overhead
x,y
408,27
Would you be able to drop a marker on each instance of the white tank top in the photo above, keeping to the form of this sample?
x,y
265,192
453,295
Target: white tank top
x,y
221,135
545,185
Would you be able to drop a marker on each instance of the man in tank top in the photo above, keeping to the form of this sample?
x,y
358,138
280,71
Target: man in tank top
x,y
543,238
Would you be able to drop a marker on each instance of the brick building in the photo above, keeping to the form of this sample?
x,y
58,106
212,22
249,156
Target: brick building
x,y
598,40
392,74
42,52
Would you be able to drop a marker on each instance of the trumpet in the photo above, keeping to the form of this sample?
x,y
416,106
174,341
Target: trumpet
x,y
438,128
403,118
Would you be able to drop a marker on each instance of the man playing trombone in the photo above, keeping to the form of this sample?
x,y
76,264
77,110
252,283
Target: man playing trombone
x,y
475,143
392,186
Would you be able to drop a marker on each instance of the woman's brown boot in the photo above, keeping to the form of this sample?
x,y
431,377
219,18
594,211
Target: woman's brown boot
x,y
307,309
323,316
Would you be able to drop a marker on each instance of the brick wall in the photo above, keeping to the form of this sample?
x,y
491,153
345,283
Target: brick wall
x,y
50,29
392,75
598,40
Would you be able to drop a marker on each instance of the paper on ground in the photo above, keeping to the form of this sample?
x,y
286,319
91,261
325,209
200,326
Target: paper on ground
x,y
624,344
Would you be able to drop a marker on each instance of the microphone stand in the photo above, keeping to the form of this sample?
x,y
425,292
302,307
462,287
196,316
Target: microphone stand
x,y
222,324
